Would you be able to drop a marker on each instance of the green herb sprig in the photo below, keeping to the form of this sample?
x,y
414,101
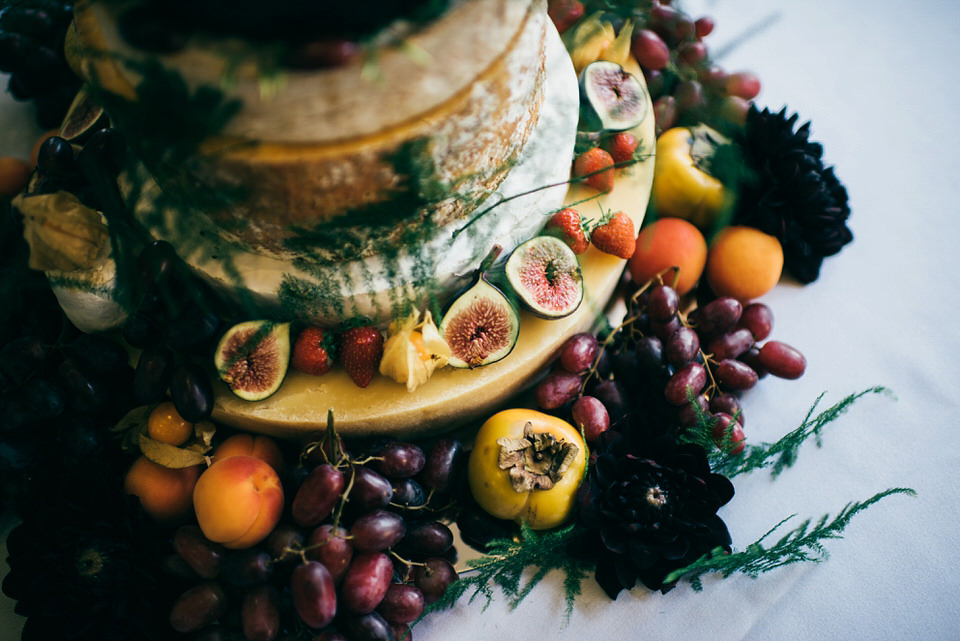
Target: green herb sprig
x,y
802,544
783,453
506,561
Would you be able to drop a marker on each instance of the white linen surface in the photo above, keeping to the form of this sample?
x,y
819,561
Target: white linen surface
x,y
878,81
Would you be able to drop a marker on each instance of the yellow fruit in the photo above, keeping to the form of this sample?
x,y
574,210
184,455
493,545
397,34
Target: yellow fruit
x,y
494,489
167,426
744,263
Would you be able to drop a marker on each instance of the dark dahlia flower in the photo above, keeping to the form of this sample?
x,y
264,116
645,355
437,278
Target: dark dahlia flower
x,y
790,194
642,518
83,562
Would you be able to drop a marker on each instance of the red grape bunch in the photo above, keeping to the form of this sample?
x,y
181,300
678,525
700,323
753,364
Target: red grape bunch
x,y
362,550
677,369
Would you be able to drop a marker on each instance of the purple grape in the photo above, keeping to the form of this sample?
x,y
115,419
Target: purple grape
x,y
367,627
717,316
650,356
578,352
370,490
681,347
730,344
433,578
444,458
690,379
260,614
663,330
192,392
402,603
591,417
427,538
199,606
557,389
758,319
314,595
688,414
317,495
332,546
728,432
377,530
201,554
153,373
366,582
735,375
727,403
782,360
246,568
663,303
285,542
399,460
752,358
407,495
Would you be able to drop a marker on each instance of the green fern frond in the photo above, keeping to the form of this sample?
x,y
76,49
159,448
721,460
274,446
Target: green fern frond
x,y
505,563
802,544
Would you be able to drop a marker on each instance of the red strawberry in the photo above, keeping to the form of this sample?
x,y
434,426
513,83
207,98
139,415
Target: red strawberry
x,y
595,168
313,351
361,349
615,235
566,224
622,147
564,13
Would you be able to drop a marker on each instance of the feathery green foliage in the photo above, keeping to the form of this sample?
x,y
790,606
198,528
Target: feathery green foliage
x,y
782,453
802,544
506,561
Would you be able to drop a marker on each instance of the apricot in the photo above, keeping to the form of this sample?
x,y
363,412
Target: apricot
x,y
238,501
165,493
14,175
743,262
666,243
257,446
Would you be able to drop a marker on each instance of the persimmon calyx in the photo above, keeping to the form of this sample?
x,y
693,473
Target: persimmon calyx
x,y
535,461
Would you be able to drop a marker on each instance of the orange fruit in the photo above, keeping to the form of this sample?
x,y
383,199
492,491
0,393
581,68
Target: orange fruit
x,y
666,243
167,426
14,175
166,494
743,262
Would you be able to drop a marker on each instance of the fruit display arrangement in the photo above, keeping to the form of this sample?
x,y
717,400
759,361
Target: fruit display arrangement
x,y
142,518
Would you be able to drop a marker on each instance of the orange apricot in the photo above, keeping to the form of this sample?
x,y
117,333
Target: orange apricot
x,y
255,445
165,493
743,262
14,175
666,243
167,426
238,501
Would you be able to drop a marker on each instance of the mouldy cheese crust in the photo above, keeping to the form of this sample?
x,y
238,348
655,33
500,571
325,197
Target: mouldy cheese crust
x,y
329,143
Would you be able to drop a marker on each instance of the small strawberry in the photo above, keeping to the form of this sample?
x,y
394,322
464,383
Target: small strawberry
x,y
313,351
595,168
564,13
623,146
567,226
614,234
361,349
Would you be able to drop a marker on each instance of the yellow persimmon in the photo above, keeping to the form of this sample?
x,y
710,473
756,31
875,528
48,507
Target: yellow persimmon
x,y
526,466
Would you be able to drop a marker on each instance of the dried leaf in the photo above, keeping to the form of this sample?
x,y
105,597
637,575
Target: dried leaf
x,y
63,233
170,455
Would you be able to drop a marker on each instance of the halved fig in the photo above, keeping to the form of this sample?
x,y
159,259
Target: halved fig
x,y
611,98
252,358
545,275
481,324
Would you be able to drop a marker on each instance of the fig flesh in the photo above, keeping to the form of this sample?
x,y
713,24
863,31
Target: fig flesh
x,y
611,98
546,276
480,325
252,358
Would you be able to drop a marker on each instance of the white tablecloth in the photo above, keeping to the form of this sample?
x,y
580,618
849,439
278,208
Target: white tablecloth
x,y
878,81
